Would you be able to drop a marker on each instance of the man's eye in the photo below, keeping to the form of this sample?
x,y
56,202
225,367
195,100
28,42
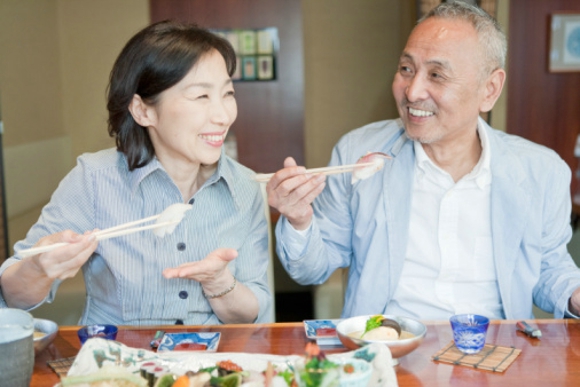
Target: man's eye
x,y
405,70
203,96
230,93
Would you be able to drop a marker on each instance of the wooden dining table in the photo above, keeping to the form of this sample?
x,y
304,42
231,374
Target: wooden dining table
x,y
551,361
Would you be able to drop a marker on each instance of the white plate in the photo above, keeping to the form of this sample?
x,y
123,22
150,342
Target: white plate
x,y
97,353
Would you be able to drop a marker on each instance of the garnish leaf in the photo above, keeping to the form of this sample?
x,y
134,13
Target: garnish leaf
x,y
373,322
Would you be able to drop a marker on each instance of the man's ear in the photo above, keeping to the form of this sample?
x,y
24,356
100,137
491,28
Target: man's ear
x,y
492,89
142,113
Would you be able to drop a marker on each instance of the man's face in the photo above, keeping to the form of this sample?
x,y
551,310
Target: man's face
x,y
439,85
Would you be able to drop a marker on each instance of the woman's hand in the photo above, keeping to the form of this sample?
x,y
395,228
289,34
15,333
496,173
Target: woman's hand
x,y
232,302
211,272
63,262
26,283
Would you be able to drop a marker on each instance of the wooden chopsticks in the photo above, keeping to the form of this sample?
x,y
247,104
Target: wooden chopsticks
x,y
112,232
265,177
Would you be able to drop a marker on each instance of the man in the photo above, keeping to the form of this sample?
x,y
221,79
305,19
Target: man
x,y
462,219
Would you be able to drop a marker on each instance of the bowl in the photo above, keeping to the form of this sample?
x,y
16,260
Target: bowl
x,y
44,333
104,331
398,348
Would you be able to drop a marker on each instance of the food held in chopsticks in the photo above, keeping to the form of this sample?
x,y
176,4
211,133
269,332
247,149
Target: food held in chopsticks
x,y
165,224
364,168
171,216
368,165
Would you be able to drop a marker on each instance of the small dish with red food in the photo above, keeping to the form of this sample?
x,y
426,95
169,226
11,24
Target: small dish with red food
x,y
322,331
190,341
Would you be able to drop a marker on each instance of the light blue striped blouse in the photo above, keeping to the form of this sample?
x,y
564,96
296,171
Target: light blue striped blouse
x,y
124,280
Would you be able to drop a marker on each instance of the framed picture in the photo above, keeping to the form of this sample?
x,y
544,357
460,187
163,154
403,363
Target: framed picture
x,y
564,53
265,67
267,39
248,68
256,52
247,42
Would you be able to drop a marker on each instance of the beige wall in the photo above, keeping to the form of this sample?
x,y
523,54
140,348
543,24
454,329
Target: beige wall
x,y
55,58
351,51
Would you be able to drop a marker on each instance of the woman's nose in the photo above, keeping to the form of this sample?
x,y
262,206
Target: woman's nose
x,y
221,113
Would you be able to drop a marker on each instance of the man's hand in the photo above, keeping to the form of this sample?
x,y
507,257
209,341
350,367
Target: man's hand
x,y
574,303
292,192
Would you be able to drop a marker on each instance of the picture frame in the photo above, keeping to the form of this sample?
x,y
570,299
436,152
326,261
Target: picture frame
x,y
256,52
247,42
249,68
265,67
564,41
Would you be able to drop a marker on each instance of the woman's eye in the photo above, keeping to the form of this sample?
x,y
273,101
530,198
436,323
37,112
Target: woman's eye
x,y
230,93
203,96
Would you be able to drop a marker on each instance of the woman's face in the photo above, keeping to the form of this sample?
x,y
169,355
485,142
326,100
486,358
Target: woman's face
x,y
191,119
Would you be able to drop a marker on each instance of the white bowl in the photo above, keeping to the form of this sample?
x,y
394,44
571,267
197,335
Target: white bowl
x,y
398,348
49,328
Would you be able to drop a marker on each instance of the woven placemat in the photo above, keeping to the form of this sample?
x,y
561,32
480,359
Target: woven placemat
x,y
61,366
491,358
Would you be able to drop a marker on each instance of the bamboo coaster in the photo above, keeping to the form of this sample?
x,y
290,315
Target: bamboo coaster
x,y
491,357
61,366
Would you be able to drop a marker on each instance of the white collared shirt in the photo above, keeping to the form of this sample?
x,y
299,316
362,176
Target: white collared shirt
x,y
449,266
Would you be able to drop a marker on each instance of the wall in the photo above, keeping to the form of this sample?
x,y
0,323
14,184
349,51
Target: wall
x,y
351,51
54,68
55,58
543,106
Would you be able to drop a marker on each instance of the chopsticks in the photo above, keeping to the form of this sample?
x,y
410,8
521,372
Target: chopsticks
x,y
112,232
265,177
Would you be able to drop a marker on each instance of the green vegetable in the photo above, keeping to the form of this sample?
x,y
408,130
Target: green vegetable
x,y
166,380
319,372
373,322
288,376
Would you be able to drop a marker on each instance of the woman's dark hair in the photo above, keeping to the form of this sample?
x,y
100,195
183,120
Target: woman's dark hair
x,y
156,58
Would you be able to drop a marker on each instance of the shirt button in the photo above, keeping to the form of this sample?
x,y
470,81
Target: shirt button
x,y
183,294
181,246
178,322
191,201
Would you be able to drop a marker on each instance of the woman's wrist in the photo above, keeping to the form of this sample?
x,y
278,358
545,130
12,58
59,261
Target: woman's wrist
x,y
219,288
220,294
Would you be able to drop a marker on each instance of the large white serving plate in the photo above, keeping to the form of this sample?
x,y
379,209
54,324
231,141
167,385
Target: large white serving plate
x,y
97,353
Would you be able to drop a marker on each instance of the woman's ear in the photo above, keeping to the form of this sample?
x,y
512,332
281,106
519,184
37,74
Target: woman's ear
x,y
142,113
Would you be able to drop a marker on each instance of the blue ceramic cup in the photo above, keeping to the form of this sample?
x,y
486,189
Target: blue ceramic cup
x,y
104,331
469,331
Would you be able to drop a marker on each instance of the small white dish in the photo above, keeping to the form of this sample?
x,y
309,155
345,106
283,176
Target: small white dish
x,y
323,331
190,341
44,333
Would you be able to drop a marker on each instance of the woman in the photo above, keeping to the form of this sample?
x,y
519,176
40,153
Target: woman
x,y
171,103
